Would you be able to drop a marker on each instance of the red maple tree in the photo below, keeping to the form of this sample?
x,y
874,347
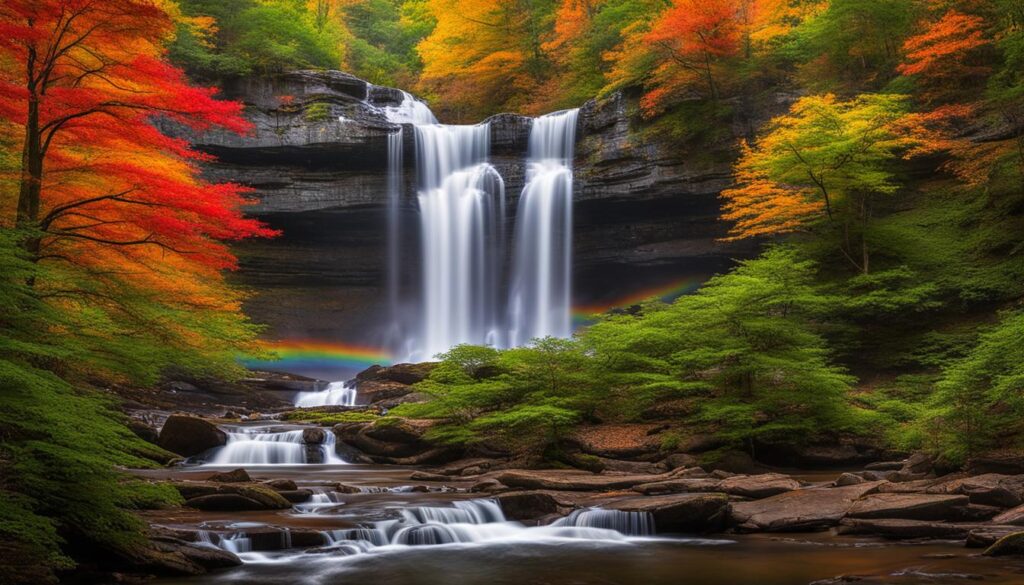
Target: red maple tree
x,y
83,81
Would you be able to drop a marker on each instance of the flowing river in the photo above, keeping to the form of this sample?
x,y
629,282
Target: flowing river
x,y
372,524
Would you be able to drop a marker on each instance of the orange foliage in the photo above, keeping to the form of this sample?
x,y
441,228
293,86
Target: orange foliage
x,y
941,56
85,85
761,206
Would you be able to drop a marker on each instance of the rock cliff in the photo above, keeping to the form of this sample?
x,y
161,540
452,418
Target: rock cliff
x,y
645,210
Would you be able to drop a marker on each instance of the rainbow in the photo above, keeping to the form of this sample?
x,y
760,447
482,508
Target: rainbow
x,y
308,354
311,354
583,314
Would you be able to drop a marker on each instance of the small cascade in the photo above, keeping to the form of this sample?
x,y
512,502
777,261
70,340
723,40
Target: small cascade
x,y
409,111
256,446
266,446
629,523
237,543
329,452
540,302
336,394
482,522
320,500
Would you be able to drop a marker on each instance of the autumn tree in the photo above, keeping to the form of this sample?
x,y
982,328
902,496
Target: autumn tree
x,y
824,162
125,233
483,56
854,43
943,58
679,51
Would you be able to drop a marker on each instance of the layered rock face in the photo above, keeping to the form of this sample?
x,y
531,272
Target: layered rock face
x,y
645,211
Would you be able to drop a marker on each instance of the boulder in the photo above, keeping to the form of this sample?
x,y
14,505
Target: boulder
x,y
224,503
618,441
233,476
906,487
909,506
746,486
531,505
990,489
190,435
918,463
849,479
634,467
736,462
427,476
281,484
799,510
388,440
681,512
314,436
460,467
1011,463
164,554
402,373
688,473
296,496
488,486
679,486
572,480
758,486
1011,544
1013,516
434,456
375,392
987,535
144,431
681,460
253,496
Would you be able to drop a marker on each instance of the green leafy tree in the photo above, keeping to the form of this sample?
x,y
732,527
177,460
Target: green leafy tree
x,y
979,403
824,162
242,37
744,347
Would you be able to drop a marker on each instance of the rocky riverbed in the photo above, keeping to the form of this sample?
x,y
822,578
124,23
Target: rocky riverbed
x,y
269,496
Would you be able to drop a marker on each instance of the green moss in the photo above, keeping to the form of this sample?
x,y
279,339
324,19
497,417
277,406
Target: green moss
x,y
1011,544
317,112
327,418
58,463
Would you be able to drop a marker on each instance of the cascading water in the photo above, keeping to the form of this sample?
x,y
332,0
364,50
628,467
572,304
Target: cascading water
x,y
461,199
394,187
336,394
540,303
263,446
409,111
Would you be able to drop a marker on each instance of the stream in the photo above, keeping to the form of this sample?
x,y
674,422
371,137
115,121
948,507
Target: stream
x,y
385,528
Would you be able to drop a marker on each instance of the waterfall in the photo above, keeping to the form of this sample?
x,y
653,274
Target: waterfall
x,y
263,446
465,295
336,394
540,304
394,187
461,199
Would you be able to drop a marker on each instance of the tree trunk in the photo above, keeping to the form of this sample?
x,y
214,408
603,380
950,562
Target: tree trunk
x,y
30,188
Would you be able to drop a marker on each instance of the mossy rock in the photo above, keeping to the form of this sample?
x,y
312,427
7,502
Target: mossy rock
x,y
1011,544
